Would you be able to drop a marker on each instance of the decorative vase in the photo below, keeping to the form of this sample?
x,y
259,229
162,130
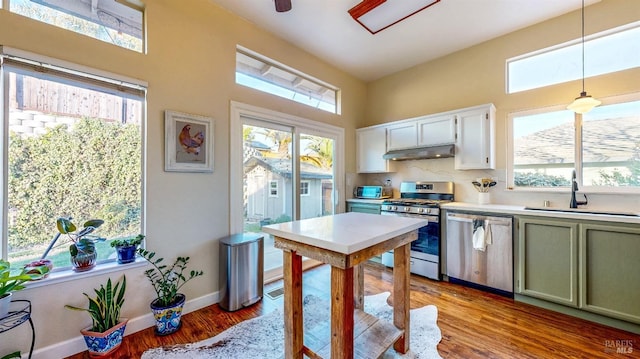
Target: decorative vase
x,y
103,344
84,261
126,254
5,301
484,198
168,318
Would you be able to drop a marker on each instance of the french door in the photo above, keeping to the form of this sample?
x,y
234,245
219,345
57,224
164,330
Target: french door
x,y
283,168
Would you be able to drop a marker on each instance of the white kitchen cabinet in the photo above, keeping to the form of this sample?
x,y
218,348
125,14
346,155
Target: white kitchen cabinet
x,y
371,143
402,135
475,143
437,130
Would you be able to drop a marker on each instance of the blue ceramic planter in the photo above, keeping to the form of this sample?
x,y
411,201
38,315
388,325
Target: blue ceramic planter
x,y
126,254
103,344
168,318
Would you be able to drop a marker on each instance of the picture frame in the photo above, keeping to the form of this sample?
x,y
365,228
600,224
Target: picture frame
x,y
188,142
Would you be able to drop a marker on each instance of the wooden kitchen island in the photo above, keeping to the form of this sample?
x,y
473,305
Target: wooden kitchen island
x,y
344,241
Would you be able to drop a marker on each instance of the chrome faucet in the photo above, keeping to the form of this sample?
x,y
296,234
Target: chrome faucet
x,y
574,188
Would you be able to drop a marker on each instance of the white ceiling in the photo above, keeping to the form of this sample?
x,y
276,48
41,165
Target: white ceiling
x,y
325,29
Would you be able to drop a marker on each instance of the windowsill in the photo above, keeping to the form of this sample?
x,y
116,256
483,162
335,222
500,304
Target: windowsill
x,y
62,276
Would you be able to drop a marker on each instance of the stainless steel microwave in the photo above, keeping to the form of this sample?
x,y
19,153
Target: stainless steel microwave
x,y
372,192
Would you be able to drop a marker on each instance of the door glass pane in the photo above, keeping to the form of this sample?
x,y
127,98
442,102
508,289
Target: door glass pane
x,y
611,145
316,176
544,149
267,183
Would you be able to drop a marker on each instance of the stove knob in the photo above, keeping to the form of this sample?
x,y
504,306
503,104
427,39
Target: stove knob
x,y
427,210
407,209
420,210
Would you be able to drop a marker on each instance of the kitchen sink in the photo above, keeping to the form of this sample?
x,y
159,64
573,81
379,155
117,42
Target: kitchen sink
x,y
584,211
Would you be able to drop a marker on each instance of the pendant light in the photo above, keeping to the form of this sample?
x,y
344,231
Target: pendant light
x,y
584,103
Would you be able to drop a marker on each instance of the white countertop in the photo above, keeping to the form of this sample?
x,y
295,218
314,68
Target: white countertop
x,y
346,232
581,214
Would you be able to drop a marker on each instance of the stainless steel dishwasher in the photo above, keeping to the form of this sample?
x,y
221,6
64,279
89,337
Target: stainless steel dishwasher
x,y
480,251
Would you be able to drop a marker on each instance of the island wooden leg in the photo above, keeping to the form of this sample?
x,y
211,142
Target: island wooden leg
x,y
358,287
293,330
401,301
341,313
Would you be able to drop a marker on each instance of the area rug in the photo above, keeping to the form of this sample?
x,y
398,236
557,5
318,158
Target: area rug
x,y
263,337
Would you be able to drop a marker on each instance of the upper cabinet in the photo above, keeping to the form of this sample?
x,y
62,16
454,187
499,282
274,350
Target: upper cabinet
x,y
470,129
402,135
437,130
475,143
371,144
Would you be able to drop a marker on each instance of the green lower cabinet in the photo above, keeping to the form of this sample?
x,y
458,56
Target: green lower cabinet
x,y
590,268
547,260
610,270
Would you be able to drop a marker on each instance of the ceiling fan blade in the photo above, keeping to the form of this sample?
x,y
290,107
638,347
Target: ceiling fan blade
x,y
283,5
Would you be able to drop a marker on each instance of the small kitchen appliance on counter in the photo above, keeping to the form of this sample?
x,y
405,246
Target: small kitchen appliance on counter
x,y
421,200
372,192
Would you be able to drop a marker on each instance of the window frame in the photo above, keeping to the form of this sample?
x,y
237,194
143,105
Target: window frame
x,y
133,5
305,188
88,77
263,74
274,191
578,146
590,71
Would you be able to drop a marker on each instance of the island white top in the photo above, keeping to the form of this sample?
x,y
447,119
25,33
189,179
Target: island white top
x,y
346,232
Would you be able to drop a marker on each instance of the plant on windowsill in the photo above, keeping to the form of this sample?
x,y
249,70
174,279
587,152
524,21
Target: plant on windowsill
x,y
83,246
126,248
10,283
105,335
167,281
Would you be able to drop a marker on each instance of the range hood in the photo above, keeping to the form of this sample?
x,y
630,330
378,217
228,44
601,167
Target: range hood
x,y
421,153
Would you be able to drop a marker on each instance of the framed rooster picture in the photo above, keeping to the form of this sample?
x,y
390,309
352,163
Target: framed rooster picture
x,y
188,142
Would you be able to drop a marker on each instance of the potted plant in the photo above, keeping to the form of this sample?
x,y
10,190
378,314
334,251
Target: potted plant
x,y
126,248
167,281
105,335
10,283
83,249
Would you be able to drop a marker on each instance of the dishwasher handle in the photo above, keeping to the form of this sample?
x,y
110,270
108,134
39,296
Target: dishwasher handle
x,y
469,218
453,217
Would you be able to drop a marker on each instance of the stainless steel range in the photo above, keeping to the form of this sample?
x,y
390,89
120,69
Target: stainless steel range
x,y
421,200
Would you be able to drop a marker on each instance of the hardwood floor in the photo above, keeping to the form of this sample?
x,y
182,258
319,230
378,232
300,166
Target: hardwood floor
x,y
474,324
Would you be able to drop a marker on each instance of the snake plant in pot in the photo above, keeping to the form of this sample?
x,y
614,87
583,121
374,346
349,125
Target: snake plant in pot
x,y
167,281
105,335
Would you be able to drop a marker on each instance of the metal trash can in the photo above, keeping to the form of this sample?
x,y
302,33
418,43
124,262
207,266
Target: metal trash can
x,y
241,270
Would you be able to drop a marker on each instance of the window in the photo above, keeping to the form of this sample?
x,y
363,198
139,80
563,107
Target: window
x,y
603,146
543,148
606,52
263,74
304,188
75,148
273,188
119,22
